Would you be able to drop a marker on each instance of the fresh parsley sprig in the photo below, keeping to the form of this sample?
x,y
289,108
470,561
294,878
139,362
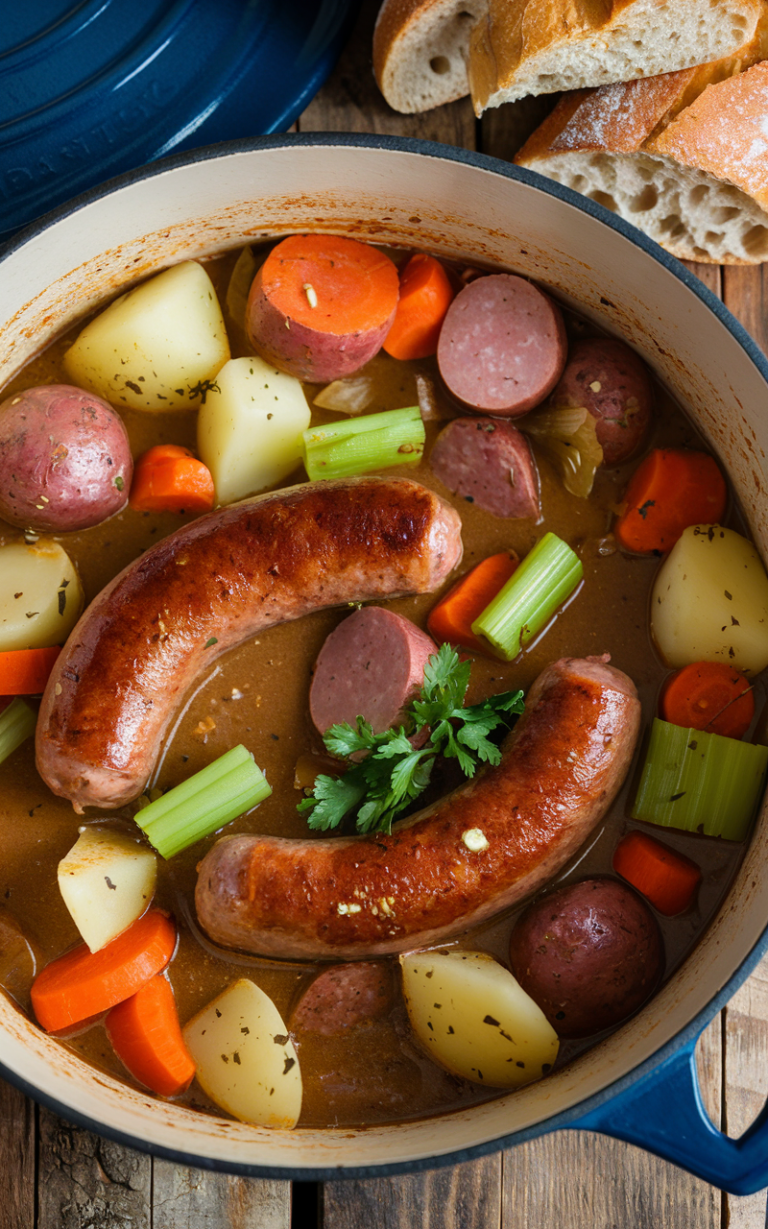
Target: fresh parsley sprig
x,y
390,773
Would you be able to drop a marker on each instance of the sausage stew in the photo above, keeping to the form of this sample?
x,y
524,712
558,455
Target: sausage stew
x,y
360,1060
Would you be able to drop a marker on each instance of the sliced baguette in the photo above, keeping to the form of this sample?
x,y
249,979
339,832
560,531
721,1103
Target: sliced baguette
x,y
543,46
684,156
420,50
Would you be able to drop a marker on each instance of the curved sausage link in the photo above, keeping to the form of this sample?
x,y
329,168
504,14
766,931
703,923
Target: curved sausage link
x,y
349,898
208,587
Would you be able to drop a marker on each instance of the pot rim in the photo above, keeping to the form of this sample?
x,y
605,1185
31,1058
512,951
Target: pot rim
x,y
689,1032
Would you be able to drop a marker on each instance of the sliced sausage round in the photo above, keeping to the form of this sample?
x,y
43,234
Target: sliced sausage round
x,y
372,665
343,996
589,954
502,346
489,463
606,377
320,306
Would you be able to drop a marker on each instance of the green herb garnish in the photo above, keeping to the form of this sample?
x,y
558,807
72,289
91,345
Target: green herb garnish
x,y
393,774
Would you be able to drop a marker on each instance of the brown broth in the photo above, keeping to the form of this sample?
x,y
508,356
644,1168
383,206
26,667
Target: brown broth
x,y
257,694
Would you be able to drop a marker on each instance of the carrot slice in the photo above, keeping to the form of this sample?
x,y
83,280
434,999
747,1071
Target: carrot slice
x,y
709,695
425,296
146,1036
24,672
329,284
81,984
168,478
452,618
666,878
670,490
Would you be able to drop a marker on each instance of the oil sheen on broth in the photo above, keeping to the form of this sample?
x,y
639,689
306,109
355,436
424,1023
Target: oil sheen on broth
x,y
257,694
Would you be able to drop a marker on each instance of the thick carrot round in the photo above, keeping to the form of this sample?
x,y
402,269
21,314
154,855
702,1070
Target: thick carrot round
x,y
81,984
708,695
168,478
24,672
670,490
329,284
146,1036
425,296
664,877
452,618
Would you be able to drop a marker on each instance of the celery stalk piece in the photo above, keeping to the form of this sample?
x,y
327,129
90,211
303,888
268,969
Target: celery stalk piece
x,y
217,794
360,445
700,782
546,577
17,724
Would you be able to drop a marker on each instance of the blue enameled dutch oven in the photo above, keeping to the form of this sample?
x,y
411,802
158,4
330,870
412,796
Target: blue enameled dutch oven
x,y
640,1083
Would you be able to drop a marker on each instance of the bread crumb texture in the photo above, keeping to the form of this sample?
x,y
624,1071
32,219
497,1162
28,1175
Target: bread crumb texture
x,y
420,51
694,179
543,46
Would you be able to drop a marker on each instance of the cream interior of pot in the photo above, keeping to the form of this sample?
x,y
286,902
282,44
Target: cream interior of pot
x,y
453,208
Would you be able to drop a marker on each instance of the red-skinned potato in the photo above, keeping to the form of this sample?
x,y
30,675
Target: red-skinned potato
x,y
65,460
320,306
589,954
606,377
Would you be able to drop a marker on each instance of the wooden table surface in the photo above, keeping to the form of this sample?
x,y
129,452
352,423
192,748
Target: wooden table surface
x,y
55,1176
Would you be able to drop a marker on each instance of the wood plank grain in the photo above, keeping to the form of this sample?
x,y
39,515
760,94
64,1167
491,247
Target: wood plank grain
x,y
84,1180
504,130
466,1196
577,1180
17,1158
745,293
184,1197
351,101
746,1079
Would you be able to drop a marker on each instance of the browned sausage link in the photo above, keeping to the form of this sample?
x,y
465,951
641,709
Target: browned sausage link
x,y
481,849
208,587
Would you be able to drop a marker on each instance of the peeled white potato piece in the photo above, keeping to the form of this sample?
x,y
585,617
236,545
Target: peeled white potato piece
x,y
41,597
156,347
710,601
244,1057
107,881
475,1019
249,432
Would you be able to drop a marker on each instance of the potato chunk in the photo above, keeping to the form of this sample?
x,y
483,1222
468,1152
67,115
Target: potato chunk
x,y
710,601
249,432
40,595
475,1019
157,347
245,1059
107,881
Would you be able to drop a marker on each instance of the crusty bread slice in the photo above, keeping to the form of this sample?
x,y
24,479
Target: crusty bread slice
x,y
543,46
684,156
420,50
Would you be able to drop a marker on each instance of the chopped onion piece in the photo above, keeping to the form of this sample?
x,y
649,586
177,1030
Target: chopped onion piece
x,y
350,396
239,287
569,435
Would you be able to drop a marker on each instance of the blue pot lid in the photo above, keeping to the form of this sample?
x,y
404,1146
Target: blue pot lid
x,y
91,88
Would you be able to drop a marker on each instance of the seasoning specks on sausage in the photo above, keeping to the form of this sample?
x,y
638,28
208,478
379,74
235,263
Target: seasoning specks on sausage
x,y
208,587
350,898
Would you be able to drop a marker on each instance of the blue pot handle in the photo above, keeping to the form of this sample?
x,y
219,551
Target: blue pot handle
x,y
663,1113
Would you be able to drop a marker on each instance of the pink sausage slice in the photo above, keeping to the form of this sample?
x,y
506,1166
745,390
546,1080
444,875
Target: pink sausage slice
x,y
345,996
204,589
372,665
489,463
502,347
352,898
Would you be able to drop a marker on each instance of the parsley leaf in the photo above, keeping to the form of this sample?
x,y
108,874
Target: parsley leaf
x,y
389,773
